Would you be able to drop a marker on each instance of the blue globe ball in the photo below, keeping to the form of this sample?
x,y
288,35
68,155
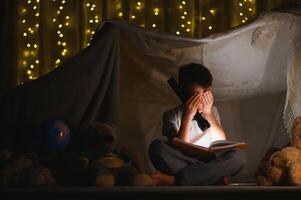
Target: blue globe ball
x,y
56,134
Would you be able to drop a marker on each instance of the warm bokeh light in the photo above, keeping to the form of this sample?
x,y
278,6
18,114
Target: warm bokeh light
x,y
51,31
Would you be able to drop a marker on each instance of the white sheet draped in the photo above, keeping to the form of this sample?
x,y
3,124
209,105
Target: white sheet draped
x,y
253,66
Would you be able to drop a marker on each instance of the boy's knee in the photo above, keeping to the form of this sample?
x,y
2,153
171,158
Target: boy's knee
x,y
156,147
239,158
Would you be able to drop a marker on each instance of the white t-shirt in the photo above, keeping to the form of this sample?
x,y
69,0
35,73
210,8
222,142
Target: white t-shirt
x,y
172,121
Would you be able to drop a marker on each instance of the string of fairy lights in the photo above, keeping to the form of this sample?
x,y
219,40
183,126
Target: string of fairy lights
x,y
137,13
145,14
156,12
93,19
29,29
185,24
62,22
141,12
247,9
117,10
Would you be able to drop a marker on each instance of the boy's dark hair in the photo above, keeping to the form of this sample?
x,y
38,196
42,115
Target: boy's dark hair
x,y
194,73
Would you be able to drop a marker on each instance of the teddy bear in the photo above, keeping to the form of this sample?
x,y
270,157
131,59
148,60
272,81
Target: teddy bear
x,y
283,166
94,161
108,164
17,170
123,172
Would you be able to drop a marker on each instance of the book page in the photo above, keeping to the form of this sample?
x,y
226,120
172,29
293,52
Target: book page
x,y
217,146
226,144
218,143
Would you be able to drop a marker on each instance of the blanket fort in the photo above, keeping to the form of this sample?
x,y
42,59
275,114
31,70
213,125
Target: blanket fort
x,y
120,79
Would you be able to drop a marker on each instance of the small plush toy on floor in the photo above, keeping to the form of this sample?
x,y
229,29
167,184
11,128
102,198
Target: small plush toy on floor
x,y
108,164
296,133
283,167
295,168
96,162
103,171
98,139
22,171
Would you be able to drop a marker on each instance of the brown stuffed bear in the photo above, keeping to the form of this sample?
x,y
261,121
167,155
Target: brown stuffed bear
x,y
283,167
296,133
106,168
109,170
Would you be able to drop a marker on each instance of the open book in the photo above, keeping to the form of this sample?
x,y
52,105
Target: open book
x,y
215,146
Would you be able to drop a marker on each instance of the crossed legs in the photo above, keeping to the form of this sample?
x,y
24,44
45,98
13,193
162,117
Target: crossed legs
x,y
178,168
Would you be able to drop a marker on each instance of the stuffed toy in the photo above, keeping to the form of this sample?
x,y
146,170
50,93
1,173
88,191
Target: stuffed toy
x,y
296,133
283,167
98,161
22,171
97,140
110,165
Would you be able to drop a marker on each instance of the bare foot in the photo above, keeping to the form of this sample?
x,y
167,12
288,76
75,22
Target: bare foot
x,y
223,181
162,179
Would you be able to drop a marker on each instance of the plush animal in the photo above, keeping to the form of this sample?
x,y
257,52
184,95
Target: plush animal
x,y
99,163
296,133
109,166
101,136
132,175
283,167
97,140
112,170
22,171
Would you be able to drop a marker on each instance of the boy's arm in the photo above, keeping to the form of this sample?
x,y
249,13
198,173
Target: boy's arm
x,y
170,126
209,115
172,129
217,130
191,107
184,130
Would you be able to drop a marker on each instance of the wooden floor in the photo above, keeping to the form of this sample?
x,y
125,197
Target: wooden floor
x,y
157,193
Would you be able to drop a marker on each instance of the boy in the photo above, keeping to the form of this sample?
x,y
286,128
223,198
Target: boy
x,y
180,168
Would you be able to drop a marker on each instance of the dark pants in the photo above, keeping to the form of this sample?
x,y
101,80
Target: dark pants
x,y
195,170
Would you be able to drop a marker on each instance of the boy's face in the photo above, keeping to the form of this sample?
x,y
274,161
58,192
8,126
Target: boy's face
x,y
196,88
